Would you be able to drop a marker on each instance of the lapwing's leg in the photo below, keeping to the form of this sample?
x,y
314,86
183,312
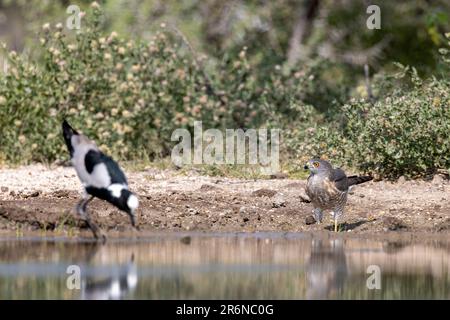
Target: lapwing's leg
x,y
81,209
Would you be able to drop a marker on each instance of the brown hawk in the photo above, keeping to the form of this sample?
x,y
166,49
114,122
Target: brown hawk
x,y
328,188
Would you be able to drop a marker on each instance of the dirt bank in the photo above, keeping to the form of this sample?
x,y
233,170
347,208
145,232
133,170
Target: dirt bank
x,y
40,198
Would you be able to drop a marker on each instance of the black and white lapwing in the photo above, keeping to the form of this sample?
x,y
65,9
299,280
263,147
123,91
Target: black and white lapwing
x,y
101,177
114,286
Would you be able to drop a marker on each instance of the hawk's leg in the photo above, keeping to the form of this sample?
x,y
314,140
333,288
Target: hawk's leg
x,y
318,215
336,215
81,210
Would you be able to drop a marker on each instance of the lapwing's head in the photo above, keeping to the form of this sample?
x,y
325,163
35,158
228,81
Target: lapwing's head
x,y
75,139
129,203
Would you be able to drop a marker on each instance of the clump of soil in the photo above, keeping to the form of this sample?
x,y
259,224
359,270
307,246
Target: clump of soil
x,y
208,187
393,224
264,193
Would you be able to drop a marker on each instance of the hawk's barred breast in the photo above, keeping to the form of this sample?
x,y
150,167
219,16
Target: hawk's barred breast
x,y
324,194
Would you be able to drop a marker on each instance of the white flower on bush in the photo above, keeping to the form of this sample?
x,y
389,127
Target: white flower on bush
x,y
127,129
126,114
99,115
54,51
53,112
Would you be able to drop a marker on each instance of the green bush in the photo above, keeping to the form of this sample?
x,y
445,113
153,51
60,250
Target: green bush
x,y
128,95
406,133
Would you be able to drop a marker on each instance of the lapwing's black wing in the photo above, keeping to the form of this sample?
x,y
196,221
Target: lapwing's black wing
x,y
94,157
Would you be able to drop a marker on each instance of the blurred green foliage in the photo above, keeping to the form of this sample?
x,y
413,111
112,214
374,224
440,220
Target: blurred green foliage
x,y
137,70
406,132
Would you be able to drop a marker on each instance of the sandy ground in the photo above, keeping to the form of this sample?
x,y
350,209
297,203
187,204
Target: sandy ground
x,y
35,198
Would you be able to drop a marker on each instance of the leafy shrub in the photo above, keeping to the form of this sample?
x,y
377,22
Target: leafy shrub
x,y
406,133
128,95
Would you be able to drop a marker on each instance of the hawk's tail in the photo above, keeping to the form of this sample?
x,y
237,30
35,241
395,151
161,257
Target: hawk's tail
x,y
358,180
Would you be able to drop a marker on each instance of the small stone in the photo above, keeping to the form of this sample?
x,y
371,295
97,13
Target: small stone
x,y
401,180
186,240
193,211
437,179
4,189
278,203
310,220
34,194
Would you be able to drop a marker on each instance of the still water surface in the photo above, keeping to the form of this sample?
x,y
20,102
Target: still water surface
x,y
224,266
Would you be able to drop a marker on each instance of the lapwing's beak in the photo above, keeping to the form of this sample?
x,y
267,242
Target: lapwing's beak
x,y
133,219
306,167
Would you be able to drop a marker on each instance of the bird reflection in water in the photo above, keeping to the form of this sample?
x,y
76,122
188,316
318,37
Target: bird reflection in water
x,y
327,269
116,285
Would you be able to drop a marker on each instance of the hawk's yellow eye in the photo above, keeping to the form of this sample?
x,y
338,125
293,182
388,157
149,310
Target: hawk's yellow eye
x,y
316,164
